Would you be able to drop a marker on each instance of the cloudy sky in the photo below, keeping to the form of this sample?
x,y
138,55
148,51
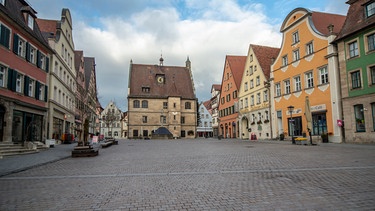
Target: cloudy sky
x,y
117,31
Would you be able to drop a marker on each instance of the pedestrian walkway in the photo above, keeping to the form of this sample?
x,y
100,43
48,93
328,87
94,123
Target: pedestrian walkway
x,y
13,164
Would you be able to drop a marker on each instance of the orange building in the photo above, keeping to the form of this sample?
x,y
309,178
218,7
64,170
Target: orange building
x,y
307,65
228,105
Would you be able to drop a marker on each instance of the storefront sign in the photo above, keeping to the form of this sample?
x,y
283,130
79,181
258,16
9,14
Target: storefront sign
x,y
320,107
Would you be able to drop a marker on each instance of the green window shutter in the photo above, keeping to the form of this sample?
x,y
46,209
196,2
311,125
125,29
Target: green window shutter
x,y
28,49
15,43
4,36
47,64
38,62
10,79
37,85
26,86
45,93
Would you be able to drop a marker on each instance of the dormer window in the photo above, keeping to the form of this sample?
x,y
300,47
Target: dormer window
x,y
370,9
30,21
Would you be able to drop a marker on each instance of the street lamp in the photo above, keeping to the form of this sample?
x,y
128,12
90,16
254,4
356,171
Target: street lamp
x,y
290,109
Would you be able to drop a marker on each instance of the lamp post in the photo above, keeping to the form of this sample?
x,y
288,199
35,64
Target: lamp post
x,y
290,109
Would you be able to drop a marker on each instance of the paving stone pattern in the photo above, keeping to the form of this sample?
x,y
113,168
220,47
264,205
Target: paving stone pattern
x,y
201,174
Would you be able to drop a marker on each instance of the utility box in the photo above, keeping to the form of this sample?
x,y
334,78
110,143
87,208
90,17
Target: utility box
x,y
50,143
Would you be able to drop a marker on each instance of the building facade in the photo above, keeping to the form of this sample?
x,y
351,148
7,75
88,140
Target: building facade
x,y
24,67
307,66
356,46
161,97
204,128
254,94
110,120
62,83
90,95
124,125
228,105
215,99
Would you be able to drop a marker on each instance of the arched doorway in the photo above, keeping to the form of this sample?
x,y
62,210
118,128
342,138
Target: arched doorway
x,y
245,128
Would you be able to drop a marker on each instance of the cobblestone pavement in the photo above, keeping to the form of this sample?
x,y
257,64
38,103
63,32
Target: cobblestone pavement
x,y
201,174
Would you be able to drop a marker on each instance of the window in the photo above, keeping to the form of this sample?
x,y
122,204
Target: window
x,y
32,54
252,100
144,119
323,75
182,120
265,96
359,118
4,36
251,70
353,49
19,78
163,119
30,21
135,133
356,79
277,90
296,55
228,97
2,75
285,60
258,80
287,86
246,86
187,105
246,103
255,68
297,83
20,46
144,104
165,105
370,9
146,89
31,88
371,42
251,83
251,57
235,94
309,80
295,37
309,48
136,104
373,115
372,72
258,98
2,2
62,50
41,92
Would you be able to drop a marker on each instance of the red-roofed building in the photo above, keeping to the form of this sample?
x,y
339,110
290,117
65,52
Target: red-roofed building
x,y
215,99
254,94
228,105
24,67
204,128
161,97
307,67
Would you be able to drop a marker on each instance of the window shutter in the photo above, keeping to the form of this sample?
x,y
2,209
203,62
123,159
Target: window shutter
x,y
14,80
26,86
28,49
15,43
37,85
47,64
38,62
45,93
4,39
10,79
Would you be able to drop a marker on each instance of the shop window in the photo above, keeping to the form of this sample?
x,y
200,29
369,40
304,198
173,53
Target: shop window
x,y
319,124
359,118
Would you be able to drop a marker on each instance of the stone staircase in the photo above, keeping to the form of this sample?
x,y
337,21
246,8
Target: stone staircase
x,y
10,149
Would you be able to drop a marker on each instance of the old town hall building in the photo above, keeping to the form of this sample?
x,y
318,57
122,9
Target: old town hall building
x,y
161,98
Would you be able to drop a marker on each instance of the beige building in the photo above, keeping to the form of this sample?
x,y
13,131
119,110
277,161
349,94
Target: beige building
x,y
62,84
161,97
254,94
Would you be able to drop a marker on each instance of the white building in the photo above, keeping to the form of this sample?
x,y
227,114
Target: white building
x,y
215,97
110,121
204,128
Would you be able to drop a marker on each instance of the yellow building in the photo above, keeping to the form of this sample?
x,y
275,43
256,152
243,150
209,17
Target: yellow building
x,y
307,65
161,97
255,109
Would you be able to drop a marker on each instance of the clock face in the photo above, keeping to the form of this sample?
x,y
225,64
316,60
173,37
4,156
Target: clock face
x,y
160,80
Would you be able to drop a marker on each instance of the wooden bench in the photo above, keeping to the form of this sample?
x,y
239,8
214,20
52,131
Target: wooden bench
x,y
84,151
109,142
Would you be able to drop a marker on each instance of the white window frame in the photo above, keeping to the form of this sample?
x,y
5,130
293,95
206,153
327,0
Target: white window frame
x,y
251,83
323,75
21,51
19,82
297,83
370,8
287,86
265,96
3,74
252,100
257,80
309,76
296,56
310,48
285,60
277,90
30,21
246,103
295,37
31,87
353,49
33,54
258,98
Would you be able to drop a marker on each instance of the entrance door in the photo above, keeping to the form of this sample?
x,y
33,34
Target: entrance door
x,y
2,112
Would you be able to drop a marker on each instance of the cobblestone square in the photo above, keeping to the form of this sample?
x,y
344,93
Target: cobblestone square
x,y
200,174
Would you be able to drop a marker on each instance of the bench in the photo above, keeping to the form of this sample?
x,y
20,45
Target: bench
x,y
301,140
84,151
109,142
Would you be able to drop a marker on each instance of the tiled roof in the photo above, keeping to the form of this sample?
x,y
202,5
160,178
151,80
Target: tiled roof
x,y
14,9
237,66
77,59
323,20
177,81
89,65
207,104
356,19
216,87
48,27
265,56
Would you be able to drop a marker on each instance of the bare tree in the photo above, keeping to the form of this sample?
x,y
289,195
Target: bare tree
x,y
109,119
